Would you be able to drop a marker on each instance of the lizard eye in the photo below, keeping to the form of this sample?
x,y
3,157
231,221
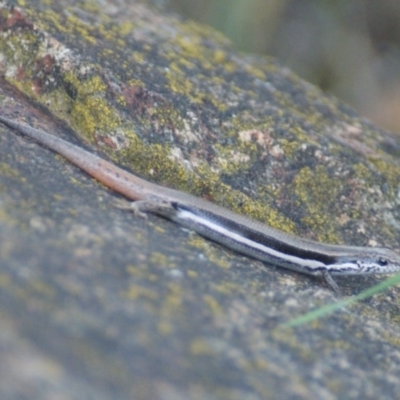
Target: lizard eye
x,y
382,262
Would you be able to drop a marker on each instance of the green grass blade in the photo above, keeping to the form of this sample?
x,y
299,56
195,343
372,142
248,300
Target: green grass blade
x,y
325,310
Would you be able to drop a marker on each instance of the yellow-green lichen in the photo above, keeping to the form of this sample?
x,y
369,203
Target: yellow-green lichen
x,y
92,6
200,346
227,288
255,71
363,173
90,111
20,49
192,274
135,291
160,259
317,193
136,271
212,304
68,23
166,115
178,82
230,160
390,173
41,288
9,172
208,250
125,28
164,327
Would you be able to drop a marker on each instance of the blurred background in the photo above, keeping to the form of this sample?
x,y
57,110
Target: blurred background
x,y
349,48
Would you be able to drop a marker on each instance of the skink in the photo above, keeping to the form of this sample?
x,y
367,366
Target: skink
x,y
221,225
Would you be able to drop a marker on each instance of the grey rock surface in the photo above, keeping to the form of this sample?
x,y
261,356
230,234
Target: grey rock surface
x,y
95,303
